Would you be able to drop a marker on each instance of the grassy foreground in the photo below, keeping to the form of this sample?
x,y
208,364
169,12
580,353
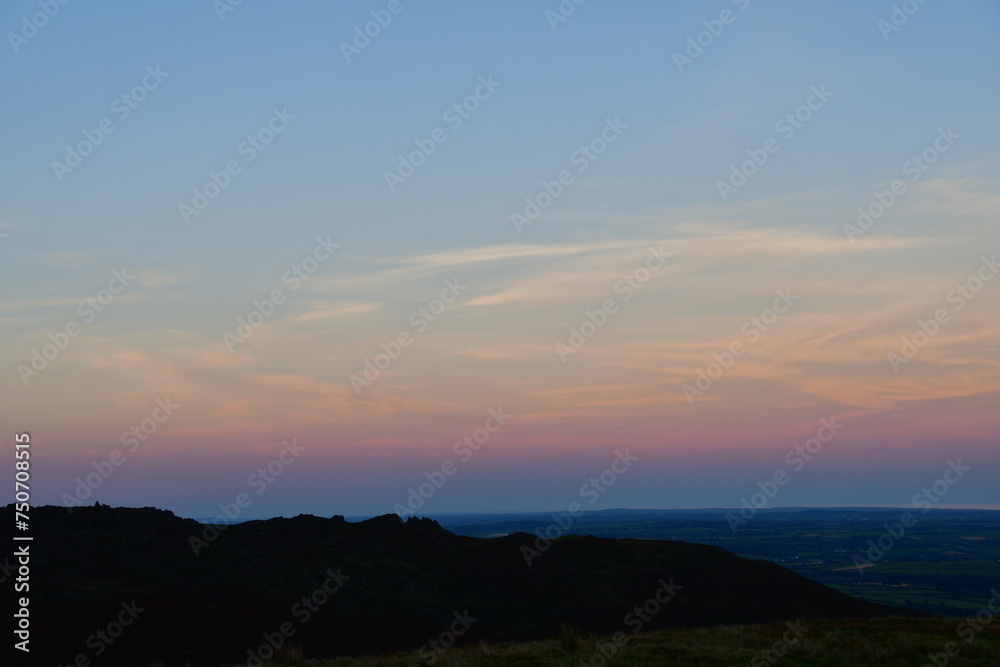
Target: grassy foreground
x,y
887,642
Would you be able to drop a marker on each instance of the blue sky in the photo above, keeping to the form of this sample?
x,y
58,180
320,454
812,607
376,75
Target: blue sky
x,y
657,183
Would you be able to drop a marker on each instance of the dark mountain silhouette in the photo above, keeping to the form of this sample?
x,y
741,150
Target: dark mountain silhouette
x,y
390,584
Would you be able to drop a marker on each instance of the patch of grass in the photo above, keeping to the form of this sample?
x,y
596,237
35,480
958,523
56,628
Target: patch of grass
x,y
289,654
893,642
570,638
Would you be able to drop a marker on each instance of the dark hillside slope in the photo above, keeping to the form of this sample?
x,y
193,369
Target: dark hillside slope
x,y
377,585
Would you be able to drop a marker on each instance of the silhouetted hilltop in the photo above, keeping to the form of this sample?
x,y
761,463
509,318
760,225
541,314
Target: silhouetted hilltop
x,y
209,593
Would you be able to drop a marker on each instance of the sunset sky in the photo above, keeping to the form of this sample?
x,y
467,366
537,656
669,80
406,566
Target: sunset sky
x,y
636,159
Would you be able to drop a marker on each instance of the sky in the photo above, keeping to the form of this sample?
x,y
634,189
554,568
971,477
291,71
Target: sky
x,y
414,257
